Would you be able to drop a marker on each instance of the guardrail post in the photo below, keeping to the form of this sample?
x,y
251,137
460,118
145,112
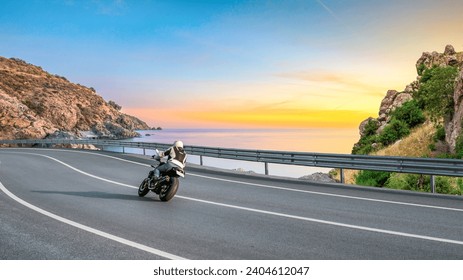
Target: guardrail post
x,y
201,160
144,152
341,174
266,168
123,149
433,184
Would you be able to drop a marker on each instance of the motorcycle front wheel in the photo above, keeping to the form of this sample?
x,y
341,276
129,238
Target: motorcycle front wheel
x,y
143,188
169,192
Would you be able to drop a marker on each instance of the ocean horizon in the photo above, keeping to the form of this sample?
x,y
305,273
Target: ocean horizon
x,y
319,140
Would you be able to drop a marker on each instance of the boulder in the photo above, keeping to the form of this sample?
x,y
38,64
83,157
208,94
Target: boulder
x,y
364,123
318,177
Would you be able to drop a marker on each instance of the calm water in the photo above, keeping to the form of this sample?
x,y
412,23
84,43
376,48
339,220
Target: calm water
x,y
307,140
301,140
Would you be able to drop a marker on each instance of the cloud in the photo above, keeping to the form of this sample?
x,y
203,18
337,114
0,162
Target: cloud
x,y
341,81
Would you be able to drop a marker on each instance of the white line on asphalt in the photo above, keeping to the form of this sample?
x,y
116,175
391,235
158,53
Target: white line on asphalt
x,y
87,228
327,222
330,194
286,189
396,233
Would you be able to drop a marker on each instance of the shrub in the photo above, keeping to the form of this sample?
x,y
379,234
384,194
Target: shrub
x,y
435,94
364,145
420,68
444,186
372,178
410,113
370,128
460,184
399,182
459,146
395,130
414,182
440,134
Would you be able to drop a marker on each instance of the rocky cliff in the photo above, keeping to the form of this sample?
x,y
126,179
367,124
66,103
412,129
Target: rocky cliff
x,y
451,121
37,104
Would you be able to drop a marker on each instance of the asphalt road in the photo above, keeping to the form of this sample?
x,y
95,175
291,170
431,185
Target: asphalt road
x,y
62,204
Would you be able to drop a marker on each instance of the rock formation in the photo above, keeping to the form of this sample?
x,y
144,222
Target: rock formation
x,y
36,104
319,177
453,126
394,99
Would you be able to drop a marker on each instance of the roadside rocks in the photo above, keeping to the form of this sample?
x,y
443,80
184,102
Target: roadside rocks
x,y
318,177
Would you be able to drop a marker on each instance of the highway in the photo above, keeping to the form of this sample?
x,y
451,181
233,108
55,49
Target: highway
x,y
69,204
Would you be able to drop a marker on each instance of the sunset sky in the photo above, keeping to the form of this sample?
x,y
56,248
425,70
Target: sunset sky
x,y
234,64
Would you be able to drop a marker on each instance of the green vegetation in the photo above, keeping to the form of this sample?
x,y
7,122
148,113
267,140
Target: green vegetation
x,y
403,118
434,98
420,69
435,94
459,147
412,182
372,178
440,134
365,144
410,113
394,131
422,183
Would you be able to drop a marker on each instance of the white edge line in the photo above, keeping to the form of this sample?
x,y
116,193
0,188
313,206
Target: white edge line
x,y
87,228
329,194
397,233
283,188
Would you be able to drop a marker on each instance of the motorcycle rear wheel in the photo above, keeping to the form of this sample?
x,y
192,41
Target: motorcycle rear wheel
x,y
170,192
143,188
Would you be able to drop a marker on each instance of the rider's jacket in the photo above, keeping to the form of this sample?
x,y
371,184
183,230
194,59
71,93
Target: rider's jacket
x,y
175,155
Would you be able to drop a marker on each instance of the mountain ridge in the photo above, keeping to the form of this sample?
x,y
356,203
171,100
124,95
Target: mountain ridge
x,y
37,104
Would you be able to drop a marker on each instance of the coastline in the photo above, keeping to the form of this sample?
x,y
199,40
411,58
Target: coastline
x,y
301,140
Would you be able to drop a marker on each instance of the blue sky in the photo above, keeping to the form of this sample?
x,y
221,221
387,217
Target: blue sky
x,y
309,63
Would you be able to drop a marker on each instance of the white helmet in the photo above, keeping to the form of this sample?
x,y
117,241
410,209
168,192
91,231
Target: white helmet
x,y
178,144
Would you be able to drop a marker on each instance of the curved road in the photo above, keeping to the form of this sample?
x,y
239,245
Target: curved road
x,y
64,204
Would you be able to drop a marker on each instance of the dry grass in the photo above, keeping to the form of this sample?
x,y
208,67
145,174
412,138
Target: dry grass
x,y
414,145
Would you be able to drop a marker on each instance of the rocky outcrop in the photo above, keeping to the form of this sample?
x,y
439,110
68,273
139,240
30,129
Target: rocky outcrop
x,y
449,57
394,99
453,126
35,103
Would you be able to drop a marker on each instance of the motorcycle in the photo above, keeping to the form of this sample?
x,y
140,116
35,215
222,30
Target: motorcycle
x,y
167,184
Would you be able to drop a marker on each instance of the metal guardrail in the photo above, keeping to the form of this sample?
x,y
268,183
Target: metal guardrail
x,y
426,166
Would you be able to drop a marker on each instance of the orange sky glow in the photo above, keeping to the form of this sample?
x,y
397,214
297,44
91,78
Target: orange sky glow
x,y
233,64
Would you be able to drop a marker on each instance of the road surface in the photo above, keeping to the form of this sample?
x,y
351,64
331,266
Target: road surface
x,y
66,204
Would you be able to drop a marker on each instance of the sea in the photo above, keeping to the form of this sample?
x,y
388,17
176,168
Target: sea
x,y
332,140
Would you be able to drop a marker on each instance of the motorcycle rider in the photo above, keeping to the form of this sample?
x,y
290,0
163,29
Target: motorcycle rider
x,y
176,157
